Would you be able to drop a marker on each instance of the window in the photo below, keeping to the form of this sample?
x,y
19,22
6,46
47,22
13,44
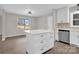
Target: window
x,y
23,23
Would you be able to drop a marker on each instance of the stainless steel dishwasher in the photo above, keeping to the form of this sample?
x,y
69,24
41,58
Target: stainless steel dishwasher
x,y
64,36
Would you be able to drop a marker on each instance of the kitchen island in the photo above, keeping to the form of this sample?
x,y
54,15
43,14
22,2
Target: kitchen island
x,y
39,41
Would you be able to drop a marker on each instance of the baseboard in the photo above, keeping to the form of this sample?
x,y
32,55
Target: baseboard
x,y
18,36
14,35
56,40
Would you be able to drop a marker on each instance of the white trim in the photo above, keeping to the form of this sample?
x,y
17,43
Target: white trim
x,y
15,35
3,38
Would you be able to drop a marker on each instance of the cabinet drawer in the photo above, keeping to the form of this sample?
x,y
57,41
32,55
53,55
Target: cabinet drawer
x,y
44,35
39,43
40,36
36,49
48,38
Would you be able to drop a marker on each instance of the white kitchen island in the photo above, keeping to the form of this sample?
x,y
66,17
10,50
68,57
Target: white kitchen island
x,y
39,41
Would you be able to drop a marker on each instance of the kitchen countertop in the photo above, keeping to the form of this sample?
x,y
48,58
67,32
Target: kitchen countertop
x,y
64,28
38,31
71,29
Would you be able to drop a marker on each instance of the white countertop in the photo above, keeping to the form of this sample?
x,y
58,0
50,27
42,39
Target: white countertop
x,y
71,29
64,28
37,31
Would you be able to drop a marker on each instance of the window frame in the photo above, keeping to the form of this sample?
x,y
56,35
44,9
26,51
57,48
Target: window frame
x,y
24,19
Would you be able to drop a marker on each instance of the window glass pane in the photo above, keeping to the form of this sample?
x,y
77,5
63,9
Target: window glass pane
x,y
20,24
27,24
24,23
76,22
76,16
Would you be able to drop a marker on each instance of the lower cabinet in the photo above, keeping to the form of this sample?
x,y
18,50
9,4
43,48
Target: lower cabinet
x,y
74,38
39,43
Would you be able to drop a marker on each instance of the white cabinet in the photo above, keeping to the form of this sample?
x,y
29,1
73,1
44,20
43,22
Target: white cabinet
x,y
74,38
63,15
39,43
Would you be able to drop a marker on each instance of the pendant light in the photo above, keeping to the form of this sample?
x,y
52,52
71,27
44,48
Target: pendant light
x,y
29,13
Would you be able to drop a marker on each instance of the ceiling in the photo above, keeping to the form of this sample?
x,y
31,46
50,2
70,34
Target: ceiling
x,y
36,9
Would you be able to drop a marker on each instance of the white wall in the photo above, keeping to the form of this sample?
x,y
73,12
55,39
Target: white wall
x,y
51,22
33,23
42,22
45,22
1,12
0,25
11,23
73,9
1,17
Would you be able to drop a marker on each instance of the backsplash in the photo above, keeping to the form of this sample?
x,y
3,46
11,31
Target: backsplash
x,y
63,25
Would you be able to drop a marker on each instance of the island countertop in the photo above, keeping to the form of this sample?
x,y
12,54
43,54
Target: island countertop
x,y
38,31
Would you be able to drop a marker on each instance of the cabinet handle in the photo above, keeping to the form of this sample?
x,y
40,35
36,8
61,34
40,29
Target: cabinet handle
x,y
41,42
42,49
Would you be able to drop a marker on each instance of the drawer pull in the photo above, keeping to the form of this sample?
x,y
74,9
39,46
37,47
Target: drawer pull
x,y
42,49
41,42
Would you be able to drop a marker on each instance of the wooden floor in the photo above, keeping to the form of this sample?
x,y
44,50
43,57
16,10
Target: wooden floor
x,y
14,45
62,48
17,45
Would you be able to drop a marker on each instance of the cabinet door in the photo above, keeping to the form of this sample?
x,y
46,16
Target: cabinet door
x,y
74,38
63,15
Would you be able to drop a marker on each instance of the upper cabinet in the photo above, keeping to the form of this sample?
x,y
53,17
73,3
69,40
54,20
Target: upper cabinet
x,y
74,16
63,15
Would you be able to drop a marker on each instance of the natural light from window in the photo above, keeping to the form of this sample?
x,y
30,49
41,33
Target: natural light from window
x,y
24,23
